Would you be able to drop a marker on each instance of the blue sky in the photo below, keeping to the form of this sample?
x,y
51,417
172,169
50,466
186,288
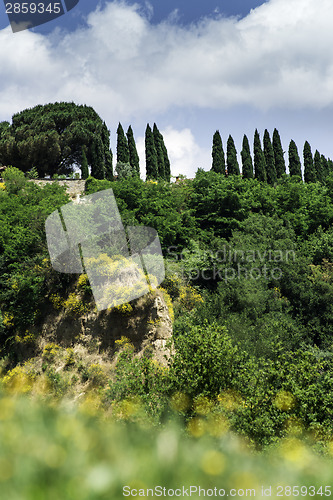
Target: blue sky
x,y
190,66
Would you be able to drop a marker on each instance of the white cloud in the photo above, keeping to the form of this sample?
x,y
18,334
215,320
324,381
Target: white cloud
x,y
279,55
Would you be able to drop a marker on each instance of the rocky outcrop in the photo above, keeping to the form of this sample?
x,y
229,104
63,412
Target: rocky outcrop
x,y
145,322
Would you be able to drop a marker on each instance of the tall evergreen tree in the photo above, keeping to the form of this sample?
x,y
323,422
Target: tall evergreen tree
x,y
167,168
151,155
84,165
232,162
122,146
309,170
324,166
218,164
269,159
295,167
318,166
280,164
97,159
247,165
108,156
329,166
133,153
158,139
259,159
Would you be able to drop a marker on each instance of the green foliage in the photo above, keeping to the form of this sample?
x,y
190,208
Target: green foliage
x,y
269,159
133,154
232,162
280,164
218,165
14,180
84,165
294,161
259,159
125,170
318,166
123,155
50,137
309,169
151,155
158,140
247,165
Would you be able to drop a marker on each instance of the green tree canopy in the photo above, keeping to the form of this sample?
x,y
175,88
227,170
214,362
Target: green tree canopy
x,y
123,155
232,162
269,158
133,153
50,137
218,165
280,164
294,160
151,155
158,139
259,159
247,165
309,169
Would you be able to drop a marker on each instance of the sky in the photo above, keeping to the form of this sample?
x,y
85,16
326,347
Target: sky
x,y
191,66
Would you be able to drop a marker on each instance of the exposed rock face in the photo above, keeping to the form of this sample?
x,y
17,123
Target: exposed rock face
x,y
147,326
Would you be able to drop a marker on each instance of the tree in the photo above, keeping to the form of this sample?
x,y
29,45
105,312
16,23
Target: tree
x,y
97,159
151,155
218,164
167,168
14,180
318,166
133,154
84,165
108,156
247,165
269,159
50,137
325,167
159,152
122,146
232,162
294,160
259,159
280,164
125,170
309,170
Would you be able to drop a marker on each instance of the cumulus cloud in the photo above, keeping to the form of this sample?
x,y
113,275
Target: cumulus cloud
x,y
184,153
124,66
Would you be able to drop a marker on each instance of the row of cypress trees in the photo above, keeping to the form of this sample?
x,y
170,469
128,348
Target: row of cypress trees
x,y
268,162
157,160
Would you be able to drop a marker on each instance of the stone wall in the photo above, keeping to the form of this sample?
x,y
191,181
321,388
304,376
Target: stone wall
x,y
74,187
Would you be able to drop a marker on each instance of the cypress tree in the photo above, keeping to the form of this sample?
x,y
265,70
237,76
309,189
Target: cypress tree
x,y
158,138
84,165
133,153
280,164
218,164
295,167
318,166
247,165
232,162
97,156
325,167
122,146
259,159
108,156
329,166
269,159
151,155
167,168
309,170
